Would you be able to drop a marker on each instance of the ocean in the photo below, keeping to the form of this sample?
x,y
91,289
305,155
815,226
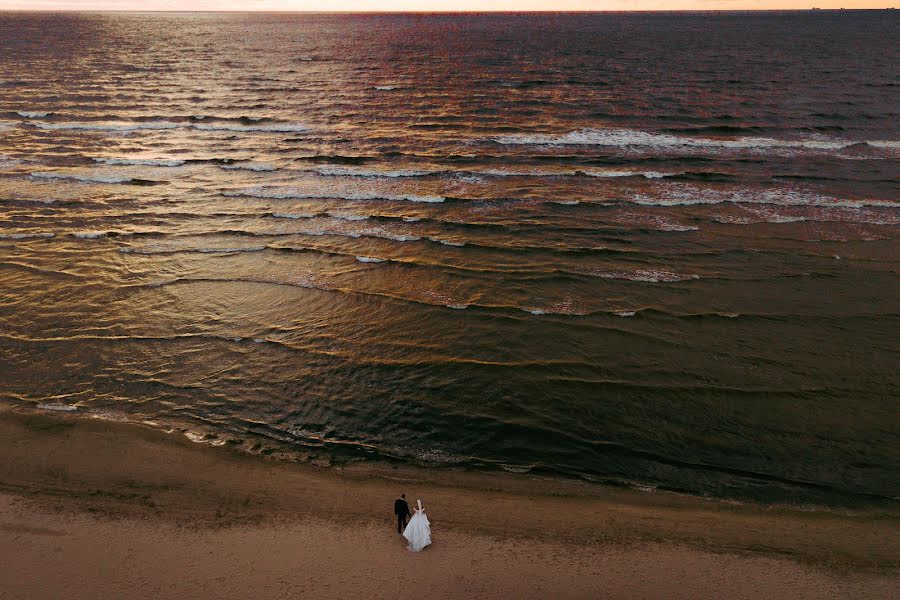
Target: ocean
x,y
650,250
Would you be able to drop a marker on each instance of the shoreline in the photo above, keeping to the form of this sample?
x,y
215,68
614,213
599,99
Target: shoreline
x,y
65,473
484,475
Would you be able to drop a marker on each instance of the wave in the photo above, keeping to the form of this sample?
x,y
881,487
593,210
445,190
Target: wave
x,y
248,166
8,161
565,307
763,214
108,125
357,233
346,217
446,242
26,236
31,200
58,407
634,137
340,171
159,249
642,275
893,144
644,174
32,114
344,171
291,193
142,162
162,125
369,259
94,178
782,197
294,215
89,235
267,128
385,88
654,222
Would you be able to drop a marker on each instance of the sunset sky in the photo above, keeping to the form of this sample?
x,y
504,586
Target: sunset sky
x,y
434,5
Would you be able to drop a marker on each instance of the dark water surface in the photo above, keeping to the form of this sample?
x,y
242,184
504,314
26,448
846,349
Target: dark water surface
x,y
659,250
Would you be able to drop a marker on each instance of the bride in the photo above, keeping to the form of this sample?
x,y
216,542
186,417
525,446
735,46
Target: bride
x,y
418,532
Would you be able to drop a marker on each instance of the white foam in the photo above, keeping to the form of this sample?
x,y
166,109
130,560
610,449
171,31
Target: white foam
x,y
375,233
655,222
650,489
772,218
625,313
535,311
569,173
643,275
638,138
293,216
31,114
644,174
142,162
81,177
159,125
227,250
447,242
25,236
340,171
884,143
89,235
271,128
108,125
247,166
687,196
458,306
166,249
43,200
291,193
57,406
369,259
386,88
528,173
8,161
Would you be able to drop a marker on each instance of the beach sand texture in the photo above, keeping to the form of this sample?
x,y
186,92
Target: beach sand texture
x,y
93,509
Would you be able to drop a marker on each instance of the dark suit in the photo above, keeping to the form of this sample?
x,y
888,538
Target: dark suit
x,y
401,509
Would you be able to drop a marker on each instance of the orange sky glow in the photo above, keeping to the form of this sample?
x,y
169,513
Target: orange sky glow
x,y
435,5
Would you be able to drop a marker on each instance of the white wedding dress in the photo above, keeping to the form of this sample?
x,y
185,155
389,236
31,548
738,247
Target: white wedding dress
x,y
418,531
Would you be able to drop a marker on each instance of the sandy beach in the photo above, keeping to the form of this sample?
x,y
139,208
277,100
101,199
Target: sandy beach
x,y
97,509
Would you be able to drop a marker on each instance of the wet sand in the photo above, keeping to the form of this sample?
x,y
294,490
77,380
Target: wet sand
x,y
97,509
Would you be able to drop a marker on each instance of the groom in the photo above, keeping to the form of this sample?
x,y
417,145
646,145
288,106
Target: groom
x,y
401,509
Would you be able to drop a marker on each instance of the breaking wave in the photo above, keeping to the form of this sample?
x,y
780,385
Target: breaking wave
x,y
161,125
783,197
291,193
638,138
92,178
142,162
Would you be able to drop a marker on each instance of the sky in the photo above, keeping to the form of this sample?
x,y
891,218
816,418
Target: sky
x,y
435,5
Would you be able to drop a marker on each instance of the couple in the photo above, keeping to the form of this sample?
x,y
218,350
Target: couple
x,y
418,532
